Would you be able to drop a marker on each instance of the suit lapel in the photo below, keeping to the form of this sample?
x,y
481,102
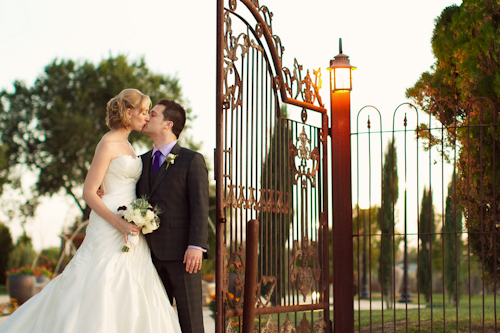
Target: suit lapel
x,y
162,172
146,167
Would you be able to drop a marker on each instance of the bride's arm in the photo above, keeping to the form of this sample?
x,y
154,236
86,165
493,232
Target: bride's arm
x,y
100,162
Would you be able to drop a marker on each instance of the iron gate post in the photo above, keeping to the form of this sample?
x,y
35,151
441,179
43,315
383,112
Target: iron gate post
x,y
340,132
219,234
252,252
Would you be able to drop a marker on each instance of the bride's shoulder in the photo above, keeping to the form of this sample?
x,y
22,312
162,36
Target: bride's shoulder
x,y
111,146
113,139
107,142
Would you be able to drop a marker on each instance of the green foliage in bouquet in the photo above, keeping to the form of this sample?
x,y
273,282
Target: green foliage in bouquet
x,y
143,205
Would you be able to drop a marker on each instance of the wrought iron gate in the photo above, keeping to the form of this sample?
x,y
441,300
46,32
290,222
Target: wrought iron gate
x,y
271,176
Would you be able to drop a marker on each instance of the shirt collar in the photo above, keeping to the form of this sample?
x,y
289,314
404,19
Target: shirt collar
x,y
166,149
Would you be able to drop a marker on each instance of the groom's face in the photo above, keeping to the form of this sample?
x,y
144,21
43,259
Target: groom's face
x,y
156,123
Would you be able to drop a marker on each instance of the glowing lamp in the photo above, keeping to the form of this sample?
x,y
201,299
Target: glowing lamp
x,y
341,72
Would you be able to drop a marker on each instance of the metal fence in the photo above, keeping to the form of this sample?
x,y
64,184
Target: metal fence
x,y
426,218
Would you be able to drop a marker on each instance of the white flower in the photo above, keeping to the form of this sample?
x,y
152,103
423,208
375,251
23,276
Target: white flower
x,y
150,215
170,159
139,220
136,212
128,214
148,228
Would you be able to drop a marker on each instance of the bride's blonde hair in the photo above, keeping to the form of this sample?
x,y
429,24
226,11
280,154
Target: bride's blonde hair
x,y
116,109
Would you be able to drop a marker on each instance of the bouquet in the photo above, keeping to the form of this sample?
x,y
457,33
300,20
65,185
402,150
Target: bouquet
x,y
144,215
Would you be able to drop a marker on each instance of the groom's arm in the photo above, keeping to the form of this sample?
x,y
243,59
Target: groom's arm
x,y
197,182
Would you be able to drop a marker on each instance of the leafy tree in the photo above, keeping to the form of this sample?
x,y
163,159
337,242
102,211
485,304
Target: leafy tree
x,y
426,234
4,161
453,243
54,126
23,253
5,250
466,45
390,194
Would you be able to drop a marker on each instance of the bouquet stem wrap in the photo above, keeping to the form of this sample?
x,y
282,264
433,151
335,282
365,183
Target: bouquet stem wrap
x,y
131,242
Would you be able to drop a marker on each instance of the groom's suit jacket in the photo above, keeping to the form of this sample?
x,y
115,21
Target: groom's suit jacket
x,y
181,191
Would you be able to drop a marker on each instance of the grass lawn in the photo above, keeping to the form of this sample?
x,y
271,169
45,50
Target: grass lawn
x,y
3,289
441,319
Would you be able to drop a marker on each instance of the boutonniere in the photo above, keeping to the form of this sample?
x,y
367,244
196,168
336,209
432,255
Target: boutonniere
x,y
170,160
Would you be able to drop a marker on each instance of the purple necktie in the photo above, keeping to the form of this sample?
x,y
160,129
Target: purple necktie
x,y
156,162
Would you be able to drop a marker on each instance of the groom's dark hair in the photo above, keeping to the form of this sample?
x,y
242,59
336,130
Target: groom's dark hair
x,y
175,113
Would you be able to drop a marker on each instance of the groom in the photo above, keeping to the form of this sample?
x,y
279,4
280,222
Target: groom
x,y
176,179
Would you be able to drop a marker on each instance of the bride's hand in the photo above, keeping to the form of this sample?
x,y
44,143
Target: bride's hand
x,y
127,228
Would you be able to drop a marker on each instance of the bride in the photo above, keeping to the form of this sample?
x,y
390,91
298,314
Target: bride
x,y
104,289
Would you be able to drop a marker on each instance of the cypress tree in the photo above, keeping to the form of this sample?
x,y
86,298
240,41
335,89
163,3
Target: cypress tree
x,y
427,236
387,220
452,243
6,247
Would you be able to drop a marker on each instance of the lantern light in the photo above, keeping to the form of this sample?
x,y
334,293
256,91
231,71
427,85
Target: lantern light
x,y
341,71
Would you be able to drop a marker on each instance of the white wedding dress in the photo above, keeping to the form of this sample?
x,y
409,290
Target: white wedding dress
x,y
103,289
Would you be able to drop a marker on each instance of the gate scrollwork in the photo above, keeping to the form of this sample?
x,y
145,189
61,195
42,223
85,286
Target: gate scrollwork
x,y
236,299
293,83
302,274
270,327
270,201
304,326
264,281
235,263
304,153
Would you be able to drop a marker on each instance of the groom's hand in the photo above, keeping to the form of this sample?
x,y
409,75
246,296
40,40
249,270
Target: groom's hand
x,y
192,259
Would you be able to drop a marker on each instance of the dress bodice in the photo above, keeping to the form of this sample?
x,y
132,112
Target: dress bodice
x,y
120,180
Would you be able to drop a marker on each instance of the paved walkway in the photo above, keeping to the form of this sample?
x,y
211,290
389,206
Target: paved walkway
x,y
364,304
210,323
3,299
207,319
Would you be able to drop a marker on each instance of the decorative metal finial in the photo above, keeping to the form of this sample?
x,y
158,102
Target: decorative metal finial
x,y
340,60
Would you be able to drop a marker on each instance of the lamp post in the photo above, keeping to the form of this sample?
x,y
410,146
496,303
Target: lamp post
x,y
340,134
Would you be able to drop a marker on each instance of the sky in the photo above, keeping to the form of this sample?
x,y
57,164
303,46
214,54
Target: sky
x,y
388,41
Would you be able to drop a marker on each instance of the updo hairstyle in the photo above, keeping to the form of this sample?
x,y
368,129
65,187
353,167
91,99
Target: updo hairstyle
x,y
116,109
